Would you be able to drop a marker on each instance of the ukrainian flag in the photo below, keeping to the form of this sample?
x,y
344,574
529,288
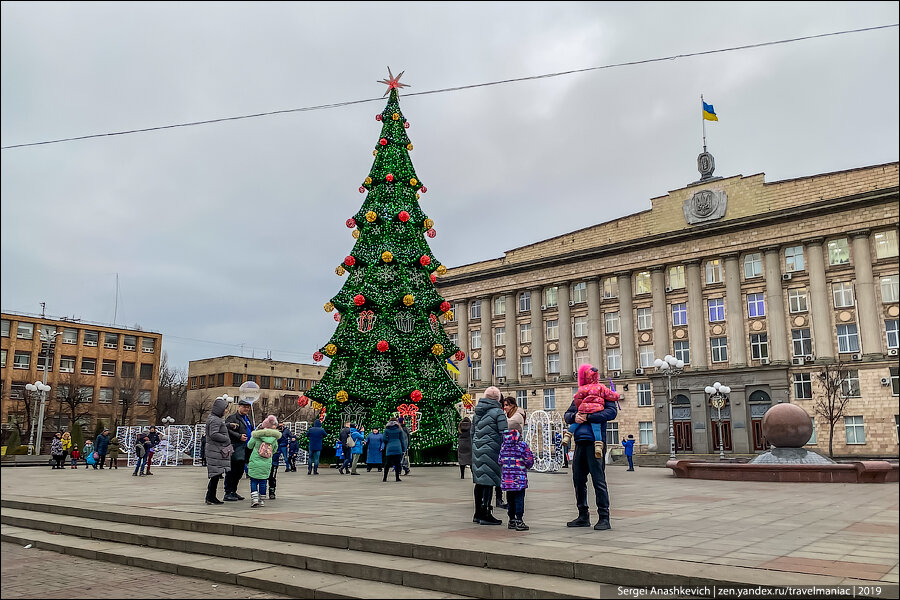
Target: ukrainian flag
x,y
452,368
709,113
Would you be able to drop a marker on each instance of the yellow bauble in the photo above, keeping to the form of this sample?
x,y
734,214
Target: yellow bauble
x,y
413,181
409,299
467,397
374,152
448,315
429,223
437,349
395,116
342,396
355,234
329,307
371,216
386,256
409,147
441,269
330,349
340,270
418,196
368,180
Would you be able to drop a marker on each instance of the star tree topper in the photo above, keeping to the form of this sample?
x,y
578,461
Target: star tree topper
x,y
393,82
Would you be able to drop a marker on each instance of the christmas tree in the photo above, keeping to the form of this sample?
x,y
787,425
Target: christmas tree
x,y
389,352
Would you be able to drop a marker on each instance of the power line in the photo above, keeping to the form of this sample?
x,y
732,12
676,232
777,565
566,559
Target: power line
x,y
454,89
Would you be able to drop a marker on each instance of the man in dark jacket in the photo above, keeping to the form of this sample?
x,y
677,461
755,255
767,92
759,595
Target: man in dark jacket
x,y
239,430
584,462
284,443
344,469
154,442
101,446
315,435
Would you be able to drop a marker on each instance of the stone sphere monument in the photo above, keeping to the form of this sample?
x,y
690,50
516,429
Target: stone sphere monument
x,y
788,428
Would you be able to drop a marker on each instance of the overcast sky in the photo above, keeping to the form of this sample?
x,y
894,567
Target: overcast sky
x,y
228,234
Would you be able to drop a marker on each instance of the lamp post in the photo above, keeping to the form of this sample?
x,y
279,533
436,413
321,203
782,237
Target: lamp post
x,y
670,367
37,427
718,396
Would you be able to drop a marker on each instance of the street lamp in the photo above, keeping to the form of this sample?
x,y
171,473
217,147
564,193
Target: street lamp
x,y
718,396
37,427
167,420
670,367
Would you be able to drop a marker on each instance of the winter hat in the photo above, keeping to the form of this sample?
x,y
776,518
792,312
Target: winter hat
x,y
269,422
492,392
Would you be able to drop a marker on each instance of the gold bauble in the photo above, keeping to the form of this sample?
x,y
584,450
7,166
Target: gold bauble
x,y
409,147
429,223
395,116
371,216
409,299
448,315
386,256
437,349
368,180
355,234
418,196
342,396
441,270
340,270
413,181
330,349
374,152
329,307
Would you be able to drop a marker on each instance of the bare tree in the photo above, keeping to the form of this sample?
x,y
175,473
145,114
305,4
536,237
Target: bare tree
x,y
68,395
200,409
130,388
833,400
23,405
172,392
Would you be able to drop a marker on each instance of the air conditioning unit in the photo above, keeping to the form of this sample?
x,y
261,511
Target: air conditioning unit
x,y
764,361
616,374
639,371
809,358
501,380
89,343
892,352
885,381
786,277
109,346
543,307
856,357
798,360
668,289
126,347
571,303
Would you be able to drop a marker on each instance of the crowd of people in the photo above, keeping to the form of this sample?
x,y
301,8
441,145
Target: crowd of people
x,y
94,452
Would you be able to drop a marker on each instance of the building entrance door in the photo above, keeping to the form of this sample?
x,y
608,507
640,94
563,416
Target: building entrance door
x,y
759,440
726,435
683,440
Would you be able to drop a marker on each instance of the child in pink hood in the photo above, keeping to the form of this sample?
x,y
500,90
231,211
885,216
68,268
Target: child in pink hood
x,y
591,397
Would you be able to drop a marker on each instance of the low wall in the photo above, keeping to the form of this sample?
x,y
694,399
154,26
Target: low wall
x,y
874,471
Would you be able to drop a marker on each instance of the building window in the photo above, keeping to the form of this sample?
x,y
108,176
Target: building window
x,y
581,326
614,359
890,288
525,365
106,395
683,351
646,356
88,366
886,244
612,322
550,399
579,292
759,346
644,319
129,342
62,392
499,336
890,328
895,381
500,367
108,368
803,386
550,296
610,288
714,271
756,305
193,383
843,294
236,379
525,333
676,277
4,328
838,252
454,338
856,430
144,397
128,370
201,381
581,358
524,301
220,380
645,397
85,394
719,348
553,329
793,259
716,309
110,340
147,371
553,362
797,300
291,384
500,305
475,310
850,384
612,433
522,399
265,381
753,265
25,331
848,338
645,433
475,339
148,345
642,283
2,358
802,342
476,370
21,360
69,335
679,314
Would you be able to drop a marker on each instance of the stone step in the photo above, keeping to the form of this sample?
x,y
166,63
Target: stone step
x,y
292,582
440,577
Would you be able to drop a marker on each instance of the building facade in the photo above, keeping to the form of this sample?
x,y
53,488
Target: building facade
x,y
752,284
282,384
95,372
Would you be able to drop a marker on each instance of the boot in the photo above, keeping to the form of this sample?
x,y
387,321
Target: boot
x,y
230,497
214,501
521,526
272,494
602,524
567,439
254,499
488,519
599,447
262,500
583,520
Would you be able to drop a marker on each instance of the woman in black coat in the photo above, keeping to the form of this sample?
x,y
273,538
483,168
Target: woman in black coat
x,y
464,446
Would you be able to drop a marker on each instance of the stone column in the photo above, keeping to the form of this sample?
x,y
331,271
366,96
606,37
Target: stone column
x,y
775,317
866,308
487,343
626,322
512,340
661,345
566,368
696,316
734,304
820,304
538,353
595,322
462,317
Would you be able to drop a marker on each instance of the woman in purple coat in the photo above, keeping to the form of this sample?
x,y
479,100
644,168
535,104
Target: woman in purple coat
x,y
515,460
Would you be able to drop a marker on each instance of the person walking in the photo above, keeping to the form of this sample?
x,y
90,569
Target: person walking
x,y
284,443
239,430
90,455
153,436
374,441
488,426
141,447
346,458
404,460
629,451
101,446
315,435
113,452
394,446
66,444
56,451
585,461
356,449
261,447
515,460
218,449
464,446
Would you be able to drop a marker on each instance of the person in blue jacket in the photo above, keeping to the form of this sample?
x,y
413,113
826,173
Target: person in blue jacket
x,y
374,443
315,435
357,449
394,447
629,451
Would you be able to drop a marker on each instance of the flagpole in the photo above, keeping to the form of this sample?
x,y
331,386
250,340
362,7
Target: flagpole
x,y
703,121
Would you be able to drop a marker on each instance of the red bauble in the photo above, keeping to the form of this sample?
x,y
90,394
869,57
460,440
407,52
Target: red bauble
x,y
459,356
302,401
403,216
377,117
351,223
349,261
445,306
359,299
318,356
382,346
433,278
425,260
388,177
362,190
415,396
406,124
337,317
431,233
423,189
383,141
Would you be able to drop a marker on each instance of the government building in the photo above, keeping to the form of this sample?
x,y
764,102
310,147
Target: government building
x,y
750,283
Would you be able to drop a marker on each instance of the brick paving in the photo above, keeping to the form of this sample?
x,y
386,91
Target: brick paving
x,y
844,530
33,573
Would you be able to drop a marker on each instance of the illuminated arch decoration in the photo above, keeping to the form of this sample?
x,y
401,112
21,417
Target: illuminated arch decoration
x,y
541,436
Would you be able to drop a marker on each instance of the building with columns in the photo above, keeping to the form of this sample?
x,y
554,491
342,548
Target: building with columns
x,y
751,283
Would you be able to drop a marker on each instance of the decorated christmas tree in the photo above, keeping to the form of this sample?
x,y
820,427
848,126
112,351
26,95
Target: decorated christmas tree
x,y
389,352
